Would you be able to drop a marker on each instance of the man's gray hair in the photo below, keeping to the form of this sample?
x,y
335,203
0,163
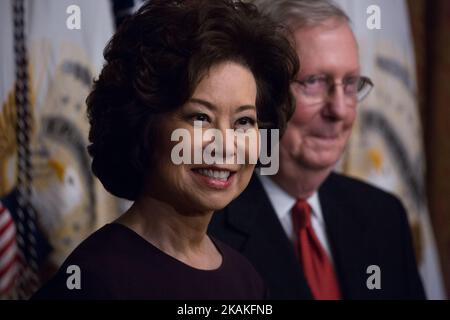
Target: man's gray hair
x,y
301,13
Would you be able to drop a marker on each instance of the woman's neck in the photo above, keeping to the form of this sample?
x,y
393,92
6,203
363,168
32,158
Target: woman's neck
x,y
182,236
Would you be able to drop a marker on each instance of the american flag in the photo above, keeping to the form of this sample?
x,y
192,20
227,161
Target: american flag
x,y
10,259
18,280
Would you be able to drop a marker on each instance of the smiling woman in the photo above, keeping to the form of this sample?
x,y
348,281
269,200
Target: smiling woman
x,y
216,103
171,66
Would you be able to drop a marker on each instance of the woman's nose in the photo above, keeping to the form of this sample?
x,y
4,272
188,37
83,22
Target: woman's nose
x,y
221,141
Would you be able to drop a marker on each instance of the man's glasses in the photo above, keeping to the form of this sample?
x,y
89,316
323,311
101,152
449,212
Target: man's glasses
x,y
317,88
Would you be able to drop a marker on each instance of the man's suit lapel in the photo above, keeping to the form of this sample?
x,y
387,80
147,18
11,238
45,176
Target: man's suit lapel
x,y
253,215
346,236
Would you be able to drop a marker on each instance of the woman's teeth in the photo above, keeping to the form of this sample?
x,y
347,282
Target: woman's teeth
x,y
216,174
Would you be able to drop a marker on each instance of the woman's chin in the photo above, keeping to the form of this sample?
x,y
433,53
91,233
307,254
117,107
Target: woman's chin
x,y
217,201
203,205
218,204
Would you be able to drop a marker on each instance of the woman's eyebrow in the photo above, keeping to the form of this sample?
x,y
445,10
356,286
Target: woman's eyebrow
x,y
213,107
205,103
245,107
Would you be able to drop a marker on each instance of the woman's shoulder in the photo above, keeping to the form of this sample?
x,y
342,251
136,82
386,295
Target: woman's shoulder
x,y
105,244
91,267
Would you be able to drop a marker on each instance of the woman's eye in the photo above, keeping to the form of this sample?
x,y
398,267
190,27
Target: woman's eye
x,y
200,117
245,122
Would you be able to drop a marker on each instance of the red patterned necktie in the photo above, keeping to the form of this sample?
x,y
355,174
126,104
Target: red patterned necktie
x,y
317,267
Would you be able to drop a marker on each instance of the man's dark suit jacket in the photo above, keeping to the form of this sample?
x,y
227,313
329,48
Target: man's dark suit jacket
x,y
365,226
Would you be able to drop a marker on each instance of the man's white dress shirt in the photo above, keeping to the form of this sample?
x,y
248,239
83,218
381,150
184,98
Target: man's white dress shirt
x,y
283,203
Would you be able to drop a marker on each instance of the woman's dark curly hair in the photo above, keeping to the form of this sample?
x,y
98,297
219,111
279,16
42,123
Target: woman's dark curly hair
x,y
155,61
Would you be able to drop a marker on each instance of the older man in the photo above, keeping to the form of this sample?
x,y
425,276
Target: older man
x,y
310,232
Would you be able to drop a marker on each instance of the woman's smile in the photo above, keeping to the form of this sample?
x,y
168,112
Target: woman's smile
x,y
214,177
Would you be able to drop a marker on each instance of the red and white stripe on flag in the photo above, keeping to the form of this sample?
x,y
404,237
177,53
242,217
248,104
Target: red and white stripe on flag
x,y
9,254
